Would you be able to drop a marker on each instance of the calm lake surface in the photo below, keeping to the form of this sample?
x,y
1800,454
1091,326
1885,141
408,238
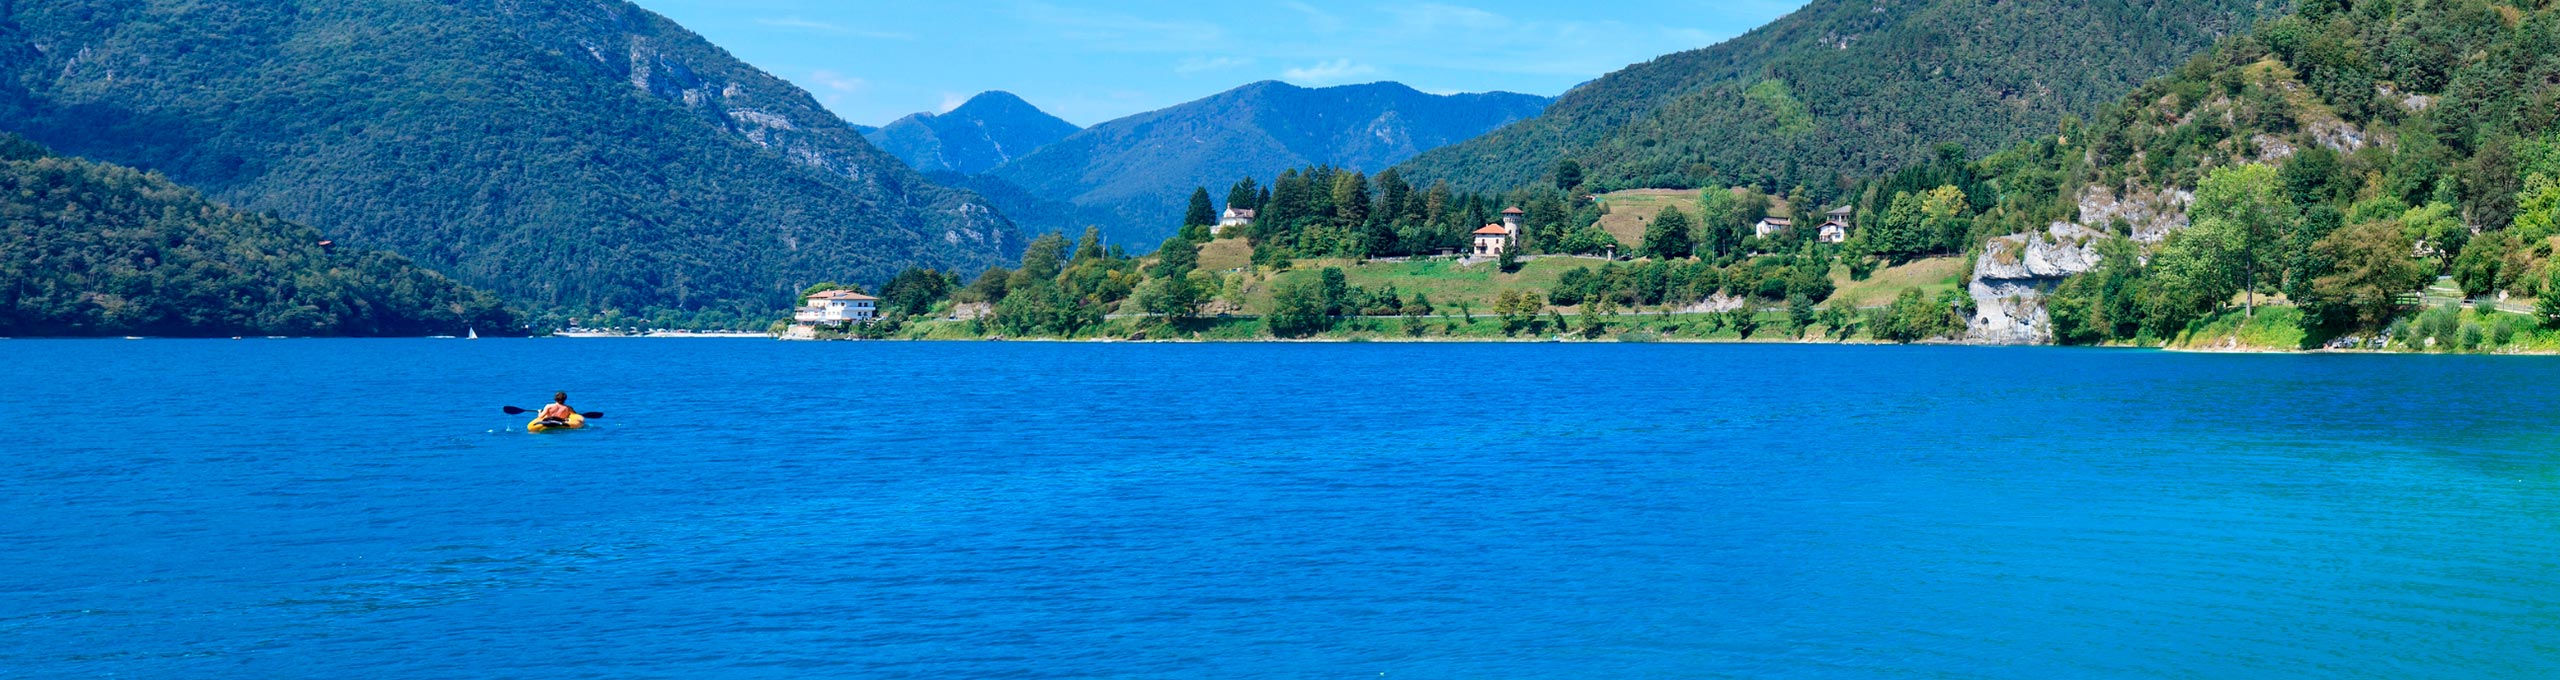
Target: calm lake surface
x,y
754,509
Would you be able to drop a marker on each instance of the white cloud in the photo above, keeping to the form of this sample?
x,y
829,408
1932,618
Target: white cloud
x,y
824,27
1328,73
1120,32
1319,20
951,100
1192,65
1432,16
837,82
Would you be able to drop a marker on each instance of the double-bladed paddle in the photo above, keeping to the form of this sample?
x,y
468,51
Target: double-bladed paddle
x,y
590,415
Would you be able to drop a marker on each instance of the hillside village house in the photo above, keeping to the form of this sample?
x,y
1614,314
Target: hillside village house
x,y
1234,217
1494,239
1836,229
1772,226
838,307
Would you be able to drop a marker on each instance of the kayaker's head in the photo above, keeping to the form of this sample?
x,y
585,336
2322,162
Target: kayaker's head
x,y
559,397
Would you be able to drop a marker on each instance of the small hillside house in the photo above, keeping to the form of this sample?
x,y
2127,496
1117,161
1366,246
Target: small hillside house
x,y
839,307
1836,229
1494,239
1772,226
1234,217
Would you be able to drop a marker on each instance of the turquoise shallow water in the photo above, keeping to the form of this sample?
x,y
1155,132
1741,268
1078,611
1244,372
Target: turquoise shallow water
x,y
751,509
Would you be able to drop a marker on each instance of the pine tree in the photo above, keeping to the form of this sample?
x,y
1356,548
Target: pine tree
x,y
1246,194
1201,213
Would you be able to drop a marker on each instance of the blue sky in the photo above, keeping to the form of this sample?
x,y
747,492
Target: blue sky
x,y
875,60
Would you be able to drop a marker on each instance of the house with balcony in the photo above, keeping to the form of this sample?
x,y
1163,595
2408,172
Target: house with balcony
x,y
1494,239
837,308
1836,228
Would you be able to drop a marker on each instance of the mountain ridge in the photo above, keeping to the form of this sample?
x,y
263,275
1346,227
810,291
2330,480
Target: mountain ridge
x,y
1142,167
572,154
989,130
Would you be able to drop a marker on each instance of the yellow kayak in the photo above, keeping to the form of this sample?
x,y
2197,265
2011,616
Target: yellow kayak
x,y
576,422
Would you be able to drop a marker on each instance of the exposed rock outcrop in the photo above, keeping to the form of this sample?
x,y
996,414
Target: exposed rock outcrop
x,y
2149,215
2013,274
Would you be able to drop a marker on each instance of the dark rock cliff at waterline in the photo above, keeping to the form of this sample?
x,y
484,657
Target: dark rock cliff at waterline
x,y
570,154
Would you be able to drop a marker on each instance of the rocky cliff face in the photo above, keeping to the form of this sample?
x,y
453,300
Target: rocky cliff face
x,y
2014,272
667,62
2011,277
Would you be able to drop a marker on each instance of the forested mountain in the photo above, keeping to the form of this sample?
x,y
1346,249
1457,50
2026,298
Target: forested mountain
x,y
569,154
990,129
1140,169
2338,159
89,249
1844,87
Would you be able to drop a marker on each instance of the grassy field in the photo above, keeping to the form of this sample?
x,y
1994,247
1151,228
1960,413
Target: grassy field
x,y
2273,328
1447,327
1630,211
1448,283
1225,254
1931,276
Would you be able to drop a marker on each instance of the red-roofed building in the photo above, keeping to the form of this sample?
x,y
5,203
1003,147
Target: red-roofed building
x,y
1492,240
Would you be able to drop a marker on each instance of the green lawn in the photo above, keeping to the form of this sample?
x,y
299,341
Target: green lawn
x,y
1223,254
1448,327
1931,276
1447,282
2272,328
1629,211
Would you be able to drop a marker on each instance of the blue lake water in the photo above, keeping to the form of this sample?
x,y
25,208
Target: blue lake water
x,y
753,509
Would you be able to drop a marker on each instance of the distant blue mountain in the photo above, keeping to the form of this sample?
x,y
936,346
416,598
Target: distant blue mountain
x,y
986,132
1139,171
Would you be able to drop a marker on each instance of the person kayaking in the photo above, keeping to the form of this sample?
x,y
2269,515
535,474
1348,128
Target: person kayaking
x,y
555,417
559,412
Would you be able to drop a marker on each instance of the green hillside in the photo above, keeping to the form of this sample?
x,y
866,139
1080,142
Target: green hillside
x,y
1843,88
2339,160
568,154
88,249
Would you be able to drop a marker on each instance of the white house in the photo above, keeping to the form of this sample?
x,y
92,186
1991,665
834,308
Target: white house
x,y
1836,229
839,307
1234,217
1493,239
1772,226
